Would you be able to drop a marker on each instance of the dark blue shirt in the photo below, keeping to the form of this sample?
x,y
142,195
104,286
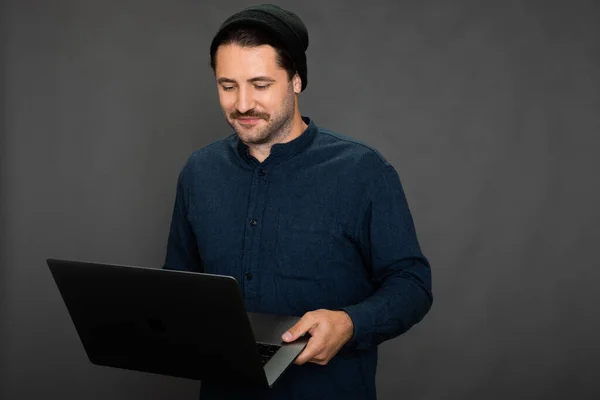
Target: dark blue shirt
x,y
323,222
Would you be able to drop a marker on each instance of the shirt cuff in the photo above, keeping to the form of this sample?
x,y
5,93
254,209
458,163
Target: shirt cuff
x,y
361,316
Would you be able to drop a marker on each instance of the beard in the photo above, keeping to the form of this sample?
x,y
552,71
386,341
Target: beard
x,y
277,126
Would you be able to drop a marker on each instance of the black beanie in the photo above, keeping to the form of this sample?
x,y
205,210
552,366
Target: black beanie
x,y
286,26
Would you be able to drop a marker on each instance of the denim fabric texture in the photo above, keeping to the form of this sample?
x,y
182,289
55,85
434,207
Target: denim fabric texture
x,y
322,223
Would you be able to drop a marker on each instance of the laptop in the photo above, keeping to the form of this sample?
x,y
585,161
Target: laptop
x,y
181,324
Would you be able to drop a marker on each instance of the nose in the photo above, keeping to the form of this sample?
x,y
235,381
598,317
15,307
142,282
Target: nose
x,y
244,102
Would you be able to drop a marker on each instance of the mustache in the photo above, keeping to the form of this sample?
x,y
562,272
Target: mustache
x,y
249,114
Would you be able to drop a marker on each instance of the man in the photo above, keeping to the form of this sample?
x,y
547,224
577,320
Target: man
x,y
310,223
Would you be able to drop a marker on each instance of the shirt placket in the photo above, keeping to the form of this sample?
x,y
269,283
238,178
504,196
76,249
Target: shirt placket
x,y
254,224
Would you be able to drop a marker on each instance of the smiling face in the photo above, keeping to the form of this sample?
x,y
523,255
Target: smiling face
x,y
257,98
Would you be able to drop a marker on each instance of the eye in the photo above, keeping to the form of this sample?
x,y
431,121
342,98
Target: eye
x,y
262,87
227,88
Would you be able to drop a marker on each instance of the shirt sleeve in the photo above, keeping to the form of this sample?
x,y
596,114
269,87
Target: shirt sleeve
x,y
182,250
399,271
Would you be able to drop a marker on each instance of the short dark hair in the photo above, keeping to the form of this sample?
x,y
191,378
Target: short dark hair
x,y
249,36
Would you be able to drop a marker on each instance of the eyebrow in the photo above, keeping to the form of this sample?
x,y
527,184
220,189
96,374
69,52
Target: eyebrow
x,y
252,80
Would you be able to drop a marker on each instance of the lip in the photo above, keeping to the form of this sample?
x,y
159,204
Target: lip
x,y
248,121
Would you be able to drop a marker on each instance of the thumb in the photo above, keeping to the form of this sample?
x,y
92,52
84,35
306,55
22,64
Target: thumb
x,y
299,329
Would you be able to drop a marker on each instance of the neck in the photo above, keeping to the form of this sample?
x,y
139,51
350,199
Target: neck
x,y
262,151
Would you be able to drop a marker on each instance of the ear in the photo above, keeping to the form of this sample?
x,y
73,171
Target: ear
x,y
297,81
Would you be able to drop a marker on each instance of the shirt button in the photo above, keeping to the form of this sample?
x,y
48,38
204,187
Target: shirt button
x,y
249,276
261,172
253,222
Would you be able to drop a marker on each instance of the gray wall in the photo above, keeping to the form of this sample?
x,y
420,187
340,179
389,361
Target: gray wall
x,y
489,112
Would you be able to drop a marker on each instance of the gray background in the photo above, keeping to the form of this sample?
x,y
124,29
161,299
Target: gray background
x,y
488,110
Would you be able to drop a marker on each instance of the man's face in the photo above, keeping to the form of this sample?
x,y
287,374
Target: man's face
x,y
255,94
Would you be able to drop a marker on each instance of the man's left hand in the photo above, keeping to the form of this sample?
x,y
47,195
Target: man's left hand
x,y
329,331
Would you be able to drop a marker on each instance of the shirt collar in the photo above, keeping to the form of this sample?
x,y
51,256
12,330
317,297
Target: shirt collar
x,y
283,151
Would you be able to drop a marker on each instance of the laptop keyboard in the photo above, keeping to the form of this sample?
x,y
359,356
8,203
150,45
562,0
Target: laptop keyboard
x,y
266,351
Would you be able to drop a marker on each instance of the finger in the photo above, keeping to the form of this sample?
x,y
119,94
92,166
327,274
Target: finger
x,y
306,323
319,358
310,352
